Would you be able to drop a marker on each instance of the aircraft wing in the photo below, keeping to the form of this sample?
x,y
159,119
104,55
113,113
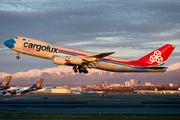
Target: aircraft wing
x,y
95,57
101,55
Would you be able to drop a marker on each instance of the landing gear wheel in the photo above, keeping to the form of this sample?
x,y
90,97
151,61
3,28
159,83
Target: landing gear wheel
x,y
85,71
75,69
80,71
17,57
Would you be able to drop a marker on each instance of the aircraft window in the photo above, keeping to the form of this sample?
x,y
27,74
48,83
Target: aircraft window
x,y
24,39
16,37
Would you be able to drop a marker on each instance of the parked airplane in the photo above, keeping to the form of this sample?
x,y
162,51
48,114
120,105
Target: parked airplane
x,y
4,84
23,90
146,91
81,60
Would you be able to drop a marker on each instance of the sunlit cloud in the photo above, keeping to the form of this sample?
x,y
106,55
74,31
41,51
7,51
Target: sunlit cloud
x,y
128,28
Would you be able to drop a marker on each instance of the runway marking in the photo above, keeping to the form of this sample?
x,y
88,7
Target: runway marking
x,y
15,97
117,102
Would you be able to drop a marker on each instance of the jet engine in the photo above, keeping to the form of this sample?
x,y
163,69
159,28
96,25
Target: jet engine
x,y
59,60
77,60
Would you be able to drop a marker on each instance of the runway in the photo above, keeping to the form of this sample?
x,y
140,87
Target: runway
x,y
53,104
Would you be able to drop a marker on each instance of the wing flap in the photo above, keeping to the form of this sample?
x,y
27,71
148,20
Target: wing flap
x,y
95,57
101,55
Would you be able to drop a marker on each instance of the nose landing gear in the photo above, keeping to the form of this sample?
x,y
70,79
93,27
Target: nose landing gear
x,y
17,57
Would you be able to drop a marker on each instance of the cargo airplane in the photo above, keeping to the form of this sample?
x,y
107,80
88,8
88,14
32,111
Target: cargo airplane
x,y
81,60
23,90
4,84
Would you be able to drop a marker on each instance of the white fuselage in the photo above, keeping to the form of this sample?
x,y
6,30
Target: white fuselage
x,y
14,90
51,50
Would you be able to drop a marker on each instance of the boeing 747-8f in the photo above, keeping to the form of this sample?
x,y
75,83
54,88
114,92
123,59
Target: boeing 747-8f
x,y
81,60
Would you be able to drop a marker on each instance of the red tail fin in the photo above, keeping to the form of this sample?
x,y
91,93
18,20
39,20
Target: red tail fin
x,y
158,56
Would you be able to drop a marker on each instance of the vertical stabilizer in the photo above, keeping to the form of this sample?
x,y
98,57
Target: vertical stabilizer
x,y
159,56
38,83
6,81
36,86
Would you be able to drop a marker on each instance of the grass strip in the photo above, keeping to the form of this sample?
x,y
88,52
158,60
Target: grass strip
x,y
87,116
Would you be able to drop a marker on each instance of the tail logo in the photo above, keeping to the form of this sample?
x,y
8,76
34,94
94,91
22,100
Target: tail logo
x,y
6,80
156,57
39,83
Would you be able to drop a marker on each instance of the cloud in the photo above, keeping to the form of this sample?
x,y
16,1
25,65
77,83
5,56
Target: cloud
x,y
3,48
106,39
93,25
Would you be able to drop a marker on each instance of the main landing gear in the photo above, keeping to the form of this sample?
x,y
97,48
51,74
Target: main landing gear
x,y
75,69
17,57
81,69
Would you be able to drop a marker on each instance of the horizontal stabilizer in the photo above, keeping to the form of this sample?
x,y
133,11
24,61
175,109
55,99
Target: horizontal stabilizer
x,y
157,69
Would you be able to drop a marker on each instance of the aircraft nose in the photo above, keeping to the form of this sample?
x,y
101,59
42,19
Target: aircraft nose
x,y
10,43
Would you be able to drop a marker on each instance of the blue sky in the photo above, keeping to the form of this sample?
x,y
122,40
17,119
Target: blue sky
x,y
130,28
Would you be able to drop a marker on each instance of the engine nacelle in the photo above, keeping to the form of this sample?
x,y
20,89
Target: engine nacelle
x,y
59,61
77,60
